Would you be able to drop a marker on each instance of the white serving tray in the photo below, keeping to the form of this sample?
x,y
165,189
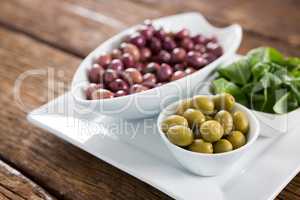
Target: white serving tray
x,y
260,174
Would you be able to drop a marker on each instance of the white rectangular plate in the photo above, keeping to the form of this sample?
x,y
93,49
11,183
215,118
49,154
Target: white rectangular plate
x,y
260,174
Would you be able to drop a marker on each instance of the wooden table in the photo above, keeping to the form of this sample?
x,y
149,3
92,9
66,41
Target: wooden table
x,y
56,35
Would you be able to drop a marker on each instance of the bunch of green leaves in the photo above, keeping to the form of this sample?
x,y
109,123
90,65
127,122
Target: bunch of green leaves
x,y
263,80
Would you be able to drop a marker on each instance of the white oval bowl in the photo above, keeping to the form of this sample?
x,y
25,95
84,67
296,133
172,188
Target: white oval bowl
x,y
151,102
209,164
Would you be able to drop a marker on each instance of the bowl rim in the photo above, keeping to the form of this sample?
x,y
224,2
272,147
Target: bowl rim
x,y
255,126
235,27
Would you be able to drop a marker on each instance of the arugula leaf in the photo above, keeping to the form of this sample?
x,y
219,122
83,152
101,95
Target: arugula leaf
x,y
260,69
265,54
238,72
286,103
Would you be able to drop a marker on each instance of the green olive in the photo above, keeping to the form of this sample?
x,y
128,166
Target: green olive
x,y
201,146
173,120
222,145
208,117
204,104
224,101
241,122
237,139
211,131
194,117
183,106
225,119
180,135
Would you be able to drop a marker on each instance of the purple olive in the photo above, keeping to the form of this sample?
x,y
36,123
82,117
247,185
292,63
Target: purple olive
x,y
189,70
169,44
199,39
118,84
110,75
128,60
120,93
104,59
164,73
152,68
209,57
200,48
214,48
140,66
116,54
131,49
102,94
132,76
160,33
178,75
179,67
138,40
196,60
91,88
95,74
183,33
145,54
178,55
155,44
147,31
149,80
136,88
187,44
116,64
163,57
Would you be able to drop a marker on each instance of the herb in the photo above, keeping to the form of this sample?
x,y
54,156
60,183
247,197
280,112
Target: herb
x,y
263,80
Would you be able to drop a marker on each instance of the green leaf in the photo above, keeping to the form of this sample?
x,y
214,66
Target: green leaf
x,y
265,54
285,104
260,69
238,72
222,85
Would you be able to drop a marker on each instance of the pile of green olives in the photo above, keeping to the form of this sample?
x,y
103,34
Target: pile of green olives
x,y
207,124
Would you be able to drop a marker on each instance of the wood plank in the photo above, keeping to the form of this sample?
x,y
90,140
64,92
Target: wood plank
x,y
271,18
14,185
64,170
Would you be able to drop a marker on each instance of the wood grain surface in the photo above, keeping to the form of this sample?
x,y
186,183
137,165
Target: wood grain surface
x,y
51,38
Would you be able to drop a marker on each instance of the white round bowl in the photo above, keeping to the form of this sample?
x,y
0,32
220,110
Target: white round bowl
x,y
209,164
151,102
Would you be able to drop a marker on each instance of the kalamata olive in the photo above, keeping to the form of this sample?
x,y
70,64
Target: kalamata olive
x,y
102,94
178,55
211,131
173,120
225,119
160,34
132,76
136,88
177,75
168,43
214,48
95,74
199,39
91,88
210,39
189,70
110,75
116,54
104,59
194,59
224,101
140,66
179,67
240,121
152,68
120,93
138,40
183,106
199,48
222,146
180,135
131,49
163,57
201,146
118,84
209,57
164,73
237,139
149,80
145,54
183,33
116,64
204,104
187,44
146,31
194,117
127,60
155,44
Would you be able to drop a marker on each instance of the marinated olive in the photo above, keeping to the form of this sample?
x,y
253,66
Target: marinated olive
x,y
132,76
237,139
211,131
225,119
194,117
222,146
102,94
173,120
183,106
177,75
201,146
180,135
241,122
208,117
224,101
204,103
